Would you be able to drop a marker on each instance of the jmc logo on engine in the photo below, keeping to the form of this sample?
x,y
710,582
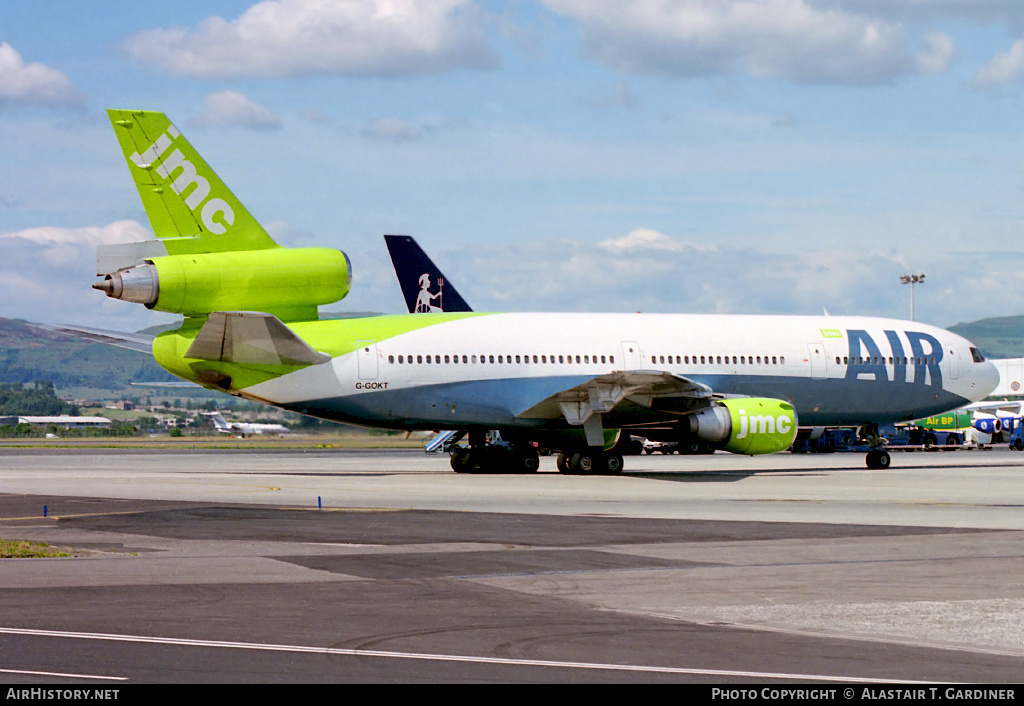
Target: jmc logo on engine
x,y
763,423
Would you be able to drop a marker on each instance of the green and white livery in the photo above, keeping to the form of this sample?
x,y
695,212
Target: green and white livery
x,y
576,383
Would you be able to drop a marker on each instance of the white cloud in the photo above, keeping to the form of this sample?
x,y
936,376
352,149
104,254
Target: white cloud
x,y
34,83
91,236
935,57
675,278
646,239
1009,11
797,40
47,273
234,108
350,37
1005,67
392,129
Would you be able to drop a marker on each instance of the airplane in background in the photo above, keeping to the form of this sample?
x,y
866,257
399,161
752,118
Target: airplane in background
x,y
1011,377
415,272
570,382
993,419
226,427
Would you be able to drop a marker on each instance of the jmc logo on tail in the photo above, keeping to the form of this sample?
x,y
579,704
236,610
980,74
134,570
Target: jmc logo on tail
x,y
216,213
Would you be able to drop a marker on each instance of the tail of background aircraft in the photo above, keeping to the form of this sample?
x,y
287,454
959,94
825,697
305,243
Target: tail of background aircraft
x,y
425,288
219,422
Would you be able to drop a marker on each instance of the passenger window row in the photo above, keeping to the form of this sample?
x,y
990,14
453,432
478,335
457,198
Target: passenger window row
x,y
719,360
881,360
421,359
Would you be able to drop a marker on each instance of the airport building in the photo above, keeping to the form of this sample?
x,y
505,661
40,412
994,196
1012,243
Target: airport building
x,y
64,420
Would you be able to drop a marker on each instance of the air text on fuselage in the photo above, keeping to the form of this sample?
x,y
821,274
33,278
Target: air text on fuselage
x,y
866,359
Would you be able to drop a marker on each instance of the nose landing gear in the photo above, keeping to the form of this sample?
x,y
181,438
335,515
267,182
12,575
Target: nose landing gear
x,y
878,458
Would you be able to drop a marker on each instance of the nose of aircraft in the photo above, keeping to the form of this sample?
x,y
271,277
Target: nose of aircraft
x,y
985,378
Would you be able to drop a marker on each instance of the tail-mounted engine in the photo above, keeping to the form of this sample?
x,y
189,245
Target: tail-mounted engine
x,y
272,279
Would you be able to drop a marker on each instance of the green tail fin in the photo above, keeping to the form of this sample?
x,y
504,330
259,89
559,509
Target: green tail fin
x,y
189,207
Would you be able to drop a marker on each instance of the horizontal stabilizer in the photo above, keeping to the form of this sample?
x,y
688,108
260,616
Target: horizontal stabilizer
x,y
251,338
133,341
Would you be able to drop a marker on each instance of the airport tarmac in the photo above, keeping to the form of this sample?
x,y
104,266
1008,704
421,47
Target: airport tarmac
x,y
384,566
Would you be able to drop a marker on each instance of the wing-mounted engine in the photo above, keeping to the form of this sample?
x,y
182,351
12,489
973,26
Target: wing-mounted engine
x,y
747,425
987,423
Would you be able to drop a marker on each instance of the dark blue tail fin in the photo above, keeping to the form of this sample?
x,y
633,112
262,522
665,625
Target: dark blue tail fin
x,y
424,286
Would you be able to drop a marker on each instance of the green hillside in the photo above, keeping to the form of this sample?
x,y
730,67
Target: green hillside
x,y
28,354
1001,337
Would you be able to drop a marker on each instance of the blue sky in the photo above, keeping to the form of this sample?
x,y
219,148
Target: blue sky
x,y
720,156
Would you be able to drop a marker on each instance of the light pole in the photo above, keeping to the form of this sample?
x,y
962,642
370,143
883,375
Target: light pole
x,y
911,280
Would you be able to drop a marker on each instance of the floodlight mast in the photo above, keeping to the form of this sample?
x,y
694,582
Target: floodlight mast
x,y
912,280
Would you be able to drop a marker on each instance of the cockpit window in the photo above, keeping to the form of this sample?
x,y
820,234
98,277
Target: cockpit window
x,y
978,357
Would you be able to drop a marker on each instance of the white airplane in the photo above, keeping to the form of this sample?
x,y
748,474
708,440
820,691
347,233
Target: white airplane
x,y
1011,377
226,427
569,382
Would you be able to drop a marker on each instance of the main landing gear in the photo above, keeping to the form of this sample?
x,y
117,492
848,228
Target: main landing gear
x,y
483,457
589,462
495,459
494,456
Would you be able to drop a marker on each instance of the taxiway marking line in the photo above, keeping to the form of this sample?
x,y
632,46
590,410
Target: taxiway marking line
x,y
60,674
184,642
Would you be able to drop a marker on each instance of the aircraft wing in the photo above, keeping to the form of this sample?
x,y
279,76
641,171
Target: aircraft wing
x,y
134,341
585,403
993,406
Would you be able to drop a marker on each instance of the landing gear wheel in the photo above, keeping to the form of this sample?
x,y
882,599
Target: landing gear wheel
x,y
878,459
462,460
583,463
614,465
1018,444
527,461
562,463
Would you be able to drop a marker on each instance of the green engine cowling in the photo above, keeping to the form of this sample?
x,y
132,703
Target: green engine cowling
x,y
269,280
747,425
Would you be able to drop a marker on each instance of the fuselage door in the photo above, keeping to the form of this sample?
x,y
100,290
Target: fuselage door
x,y
952,361
816,354
366,355
632,358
